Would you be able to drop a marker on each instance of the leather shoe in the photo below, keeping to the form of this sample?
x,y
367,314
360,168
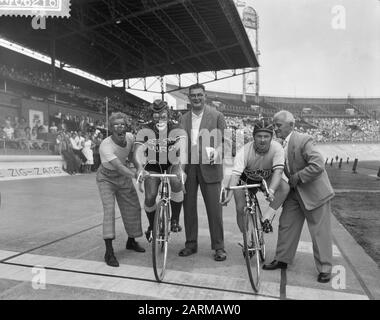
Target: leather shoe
x,y
324,277
110,259
220,255
187,252
275,265
175,227
134,245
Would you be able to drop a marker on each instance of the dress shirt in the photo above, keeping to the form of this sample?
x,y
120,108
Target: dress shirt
x,y
195,125
285,144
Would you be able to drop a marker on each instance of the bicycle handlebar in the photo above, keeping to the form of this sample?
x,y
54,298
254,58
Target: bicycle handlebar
x,y
162,175
244,186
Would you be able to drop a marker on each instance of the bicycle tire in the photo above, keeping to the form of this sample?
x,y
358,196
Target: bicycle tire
x,y
260,232
250,249
160,235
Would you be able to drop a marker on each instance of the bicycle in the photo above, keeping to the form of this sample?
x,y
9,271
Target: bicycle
x,y
253,235
161,225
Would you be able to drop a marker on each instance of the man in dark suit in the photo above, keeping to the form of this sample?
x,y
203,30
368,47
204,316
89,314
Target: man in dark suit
x,y
204,169
309,198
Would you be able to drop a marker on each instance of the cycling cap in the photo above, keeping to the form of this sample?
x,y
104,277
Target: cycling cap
x,y
158,106
263,125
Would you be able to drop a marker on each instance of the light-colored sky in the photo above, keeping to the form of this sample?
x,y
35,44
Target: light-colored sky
x,y
303,55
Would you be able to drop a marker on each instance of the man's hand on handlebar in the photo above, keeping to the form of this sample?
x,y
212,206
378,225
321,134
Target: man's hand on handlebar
x,y
270,195
182,176
227,198
141,175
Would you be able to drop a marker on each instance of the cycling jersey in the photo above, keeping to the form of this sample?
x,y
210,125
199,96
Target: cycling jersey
x,y
162,143
251,165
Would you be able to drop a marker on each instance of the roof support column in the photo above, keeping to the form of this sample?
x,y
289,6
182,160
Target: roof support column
x,y
52,65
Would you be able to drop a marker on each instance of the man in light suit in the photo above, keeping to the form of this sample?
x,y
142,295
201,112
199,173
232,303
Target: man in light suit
x,y
309,198
204,169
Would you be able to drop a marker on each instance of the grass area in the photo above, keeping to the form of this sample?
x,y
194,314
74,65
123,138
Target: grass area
x,y
358,211
374,165
343,179
358,214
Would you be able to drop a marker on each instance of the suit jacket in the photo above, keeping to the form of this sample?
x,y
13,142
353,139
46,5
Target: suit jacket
x,y
303,158
212,119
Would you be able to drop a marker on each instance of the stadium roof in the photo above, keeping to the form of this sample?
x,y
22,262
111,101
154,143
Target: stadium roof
x,y
116,39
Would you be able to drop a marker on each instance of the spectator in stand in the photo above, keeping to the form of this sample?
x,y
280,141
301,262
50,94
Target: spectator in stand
x,y
23,124
64,148
20,137
88,153
28,138
15,123
36,143
9,131
53,128
74,144
2,134
97,141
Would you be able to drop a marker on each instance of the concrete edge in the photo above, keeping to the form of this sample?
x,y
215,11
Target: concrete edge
x,y
364,267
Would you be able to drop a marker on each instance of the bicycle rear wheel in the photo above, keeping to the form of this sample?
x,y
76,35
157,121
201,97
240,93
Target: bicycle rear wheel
x,y
260,232
251,248
160,234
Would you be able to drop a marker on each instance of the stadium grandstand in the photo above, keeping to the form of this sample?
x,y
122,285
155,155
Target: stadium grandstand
x,y
327,119
32,105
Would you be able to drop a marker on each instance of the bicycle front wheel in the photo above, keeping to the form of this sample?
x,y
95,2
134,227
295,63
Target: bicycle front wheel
x,y
251,249
160,234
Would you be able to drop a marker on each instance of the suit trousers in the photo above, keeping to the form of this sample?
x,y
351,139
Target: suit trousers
x,y
290,228
210,193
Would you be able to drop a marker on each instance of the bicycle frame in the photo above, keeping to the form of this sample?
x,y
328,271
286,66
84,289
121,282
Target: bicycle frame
x,y
161,227
254,246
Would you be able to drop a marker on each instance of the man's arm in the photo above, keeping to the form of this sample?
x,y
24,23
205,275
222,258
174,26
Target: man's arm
x,y
139,158
234,180
275,181
122,169
315,164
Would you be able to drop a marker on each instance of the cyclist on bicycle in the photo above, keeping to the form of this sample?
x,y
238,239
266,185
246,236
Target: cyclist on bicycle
x,y
262,158
158,138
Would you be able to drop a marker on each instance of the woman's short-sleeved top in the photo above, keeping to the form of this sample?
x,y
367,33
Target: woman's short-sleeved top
x,y
109,151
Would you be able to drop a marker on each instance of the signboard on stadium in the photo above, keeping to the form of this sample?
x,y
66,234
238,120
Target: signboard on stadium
x,y
13,168
36,117
249,18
